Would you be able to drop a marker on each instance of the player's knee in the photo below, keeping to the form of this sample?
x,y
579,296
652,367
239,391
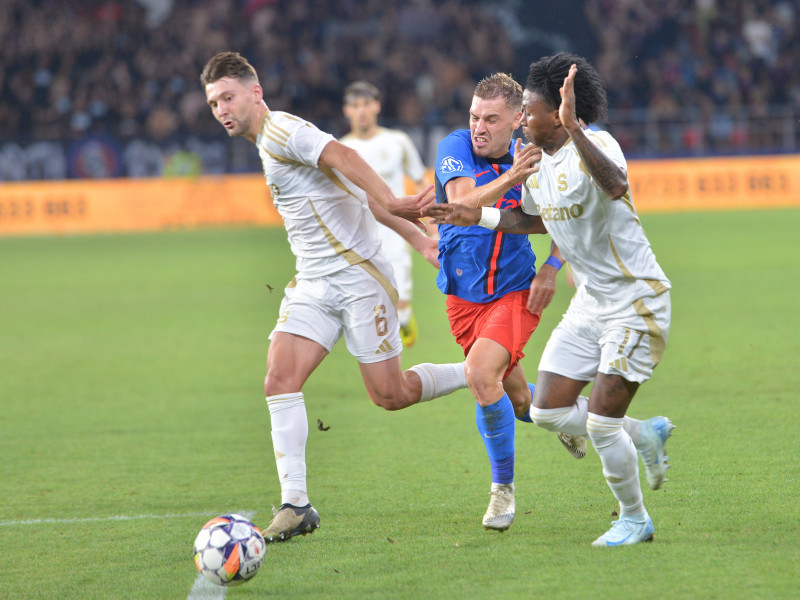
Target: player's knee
x,y
548,419
276,383
388,401
483,384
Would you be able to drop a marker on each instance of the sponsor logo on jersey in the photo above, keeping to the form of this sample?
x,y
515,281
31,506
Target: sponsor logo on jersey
x,y
563,213
450,164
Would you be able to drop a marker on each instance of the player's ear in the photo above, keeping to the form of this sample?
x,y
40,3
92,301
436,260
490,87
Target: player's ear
x,y
556,118
517,119
258,93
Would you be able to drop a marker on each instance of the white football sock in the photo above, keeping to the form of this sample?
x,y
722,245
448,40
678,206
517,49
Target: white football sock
x,y
287,414
633,427
440,380
572,420
620,464
404,315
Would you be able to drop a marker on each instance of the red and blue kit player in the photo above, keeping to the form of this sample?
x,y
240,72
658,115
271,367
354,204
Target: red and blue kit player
x,y
494,297
477,264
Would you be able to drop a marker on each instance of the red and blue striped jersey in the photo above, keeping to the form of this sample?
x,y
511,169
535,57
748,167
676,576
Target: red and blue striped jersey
x,y
478,264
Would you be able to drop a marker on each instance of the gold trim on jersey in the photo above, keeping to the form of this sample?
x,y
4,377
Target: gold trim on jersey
x,y
354,258
626,199
659,287
657,343
279,158
620,264
370,268
328,171
278,134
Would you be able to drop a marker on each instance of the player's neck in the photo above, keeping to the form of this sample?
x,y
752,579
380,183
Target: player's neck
x,y
258,123
365,133
557,143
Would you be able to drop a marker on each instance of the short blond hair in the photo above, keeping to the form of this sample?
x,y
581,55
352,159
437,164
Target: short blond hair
x,y
503,85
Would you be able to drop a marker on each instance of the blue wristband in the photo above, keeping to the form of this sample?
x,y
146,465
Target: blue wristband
x,y
554,262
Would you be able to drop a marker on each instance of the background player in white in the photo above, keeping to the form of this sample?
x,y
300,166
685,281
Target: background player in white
x,y
343,283
617,324
393,155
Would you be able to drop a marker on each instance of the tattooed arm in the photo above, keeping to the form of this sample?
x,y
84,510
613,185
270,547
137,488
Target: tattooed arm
x,y
602,169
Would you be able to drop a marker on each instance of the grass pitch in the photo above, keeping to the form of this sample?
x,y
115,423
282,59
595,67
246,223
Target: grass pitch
x,y
131,411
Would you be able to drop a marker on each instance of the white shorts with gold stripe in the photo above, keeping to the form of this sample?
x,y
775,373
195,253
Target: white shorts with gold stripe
x,y
359,302
628,341
397,251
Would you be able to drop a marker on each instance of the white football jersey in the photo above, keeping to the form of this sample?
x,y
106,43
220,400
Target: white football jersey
x,y
392,154
602,239
326,216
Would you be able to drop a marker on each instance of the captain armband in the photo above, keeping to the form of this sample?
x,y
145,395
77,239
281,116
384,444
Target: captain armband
x,y
490,217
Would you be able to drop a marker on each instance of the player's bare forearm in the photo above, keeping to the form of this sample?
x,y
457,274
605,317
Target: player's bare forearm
x,y
517,220
464,191
511,221
408,230
353,166
603,170
453,214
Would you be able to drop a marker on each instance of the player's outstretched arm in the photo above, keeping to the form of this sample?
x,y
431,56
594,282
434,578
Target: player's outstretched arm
x,y
464,190
352,165
423,244
510,221
603,170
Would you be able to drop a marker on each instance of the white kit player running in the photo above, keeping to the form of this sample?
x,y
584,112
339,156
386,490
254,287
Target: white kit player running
x,y
616,327
327,195
393,155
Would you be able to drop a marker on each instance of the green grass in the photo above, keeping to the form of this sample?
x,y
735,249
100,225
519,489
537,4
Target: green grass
x,y
131,372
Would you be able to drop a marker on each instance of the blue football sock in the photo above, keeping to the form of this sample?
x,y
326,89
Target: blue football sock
x,y
496,426
526,418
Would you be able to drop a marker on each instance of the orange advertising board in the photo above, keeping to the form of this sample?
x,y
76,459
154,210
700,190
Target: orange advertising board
x,y
745,182
116,205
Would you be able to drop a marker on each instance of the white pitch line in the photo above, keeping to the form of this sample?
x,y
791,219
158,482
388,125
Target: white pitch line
x,y
203,589
109,518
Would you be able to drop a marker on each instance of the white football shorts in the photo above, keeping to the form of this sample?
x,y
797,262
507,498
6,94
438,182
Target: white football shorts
x,y
628,341
397,251
358,301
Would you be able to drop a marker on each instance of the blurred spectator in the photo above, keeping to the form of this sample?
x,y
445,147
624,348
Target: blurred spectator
x,y
698,71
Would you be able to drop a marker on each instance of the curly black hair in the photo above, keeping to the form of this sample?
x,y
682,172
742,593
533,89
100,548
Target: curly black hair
x,y
546,76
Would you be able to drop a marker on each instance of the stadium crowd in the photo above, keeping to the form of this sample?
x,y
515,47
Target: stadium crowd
x,y
711,64
78,68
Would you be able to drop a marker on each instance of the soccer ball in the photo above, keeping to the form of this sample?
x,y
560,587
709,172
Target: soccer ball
x,y
229,550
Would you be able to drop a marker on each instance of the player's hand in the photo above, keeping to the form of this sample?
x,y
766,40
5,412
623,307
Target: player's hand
x,y
453,214
526,161
411,207
430,251
543,288
566,112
